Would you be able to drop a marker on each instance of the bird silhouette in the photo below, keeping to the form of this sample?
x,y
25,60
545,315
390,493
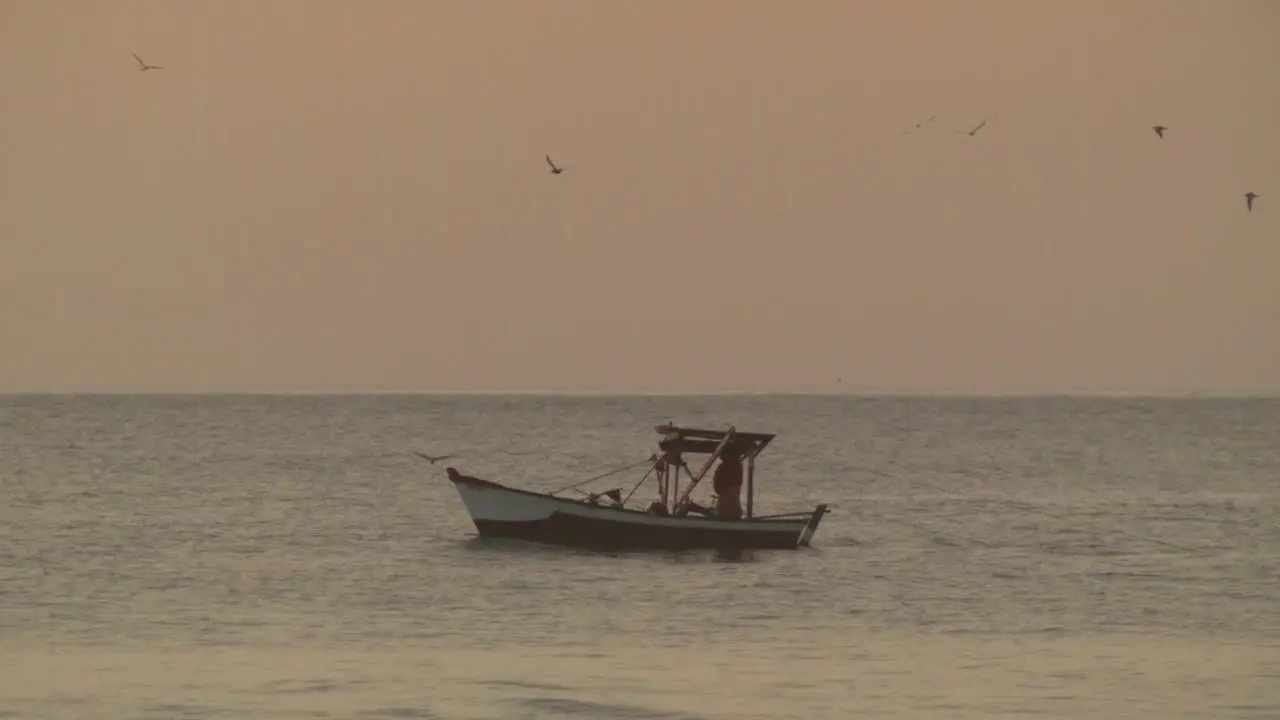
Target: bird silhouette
x,y
1248,199
554,170
433,459
1159,130
919,125
974,131
145,67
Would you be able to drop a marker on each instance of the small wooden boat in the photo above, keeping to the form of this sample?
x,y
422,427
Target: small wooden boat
x,y
673,521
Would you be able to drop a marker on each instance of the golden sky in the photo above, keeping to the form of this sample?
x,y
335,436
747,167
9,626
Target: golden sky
x,y
341,195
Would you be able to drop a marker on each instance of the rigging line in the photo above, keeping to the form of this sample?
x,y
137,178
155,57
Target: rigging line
x,y
1033,509
602,476
636,487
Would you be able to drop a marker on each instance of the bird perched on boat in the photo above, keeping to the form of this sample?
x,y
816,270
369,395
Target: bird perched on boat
x,y
1159,130
554,170
1248,199
974,131
615,495
433,459
145,67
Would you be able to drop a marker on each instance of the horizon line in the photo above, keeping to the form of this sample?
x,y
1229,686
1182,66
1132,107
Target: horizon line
x,y
956,394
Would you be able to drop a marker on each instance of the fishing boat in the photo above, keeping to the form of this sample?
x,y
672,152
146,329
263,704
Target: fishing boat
x,y
604,520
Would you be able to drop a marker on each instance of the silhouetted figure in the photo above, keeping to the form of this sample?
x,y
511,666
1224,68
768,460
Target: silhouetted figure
x,y
727,484
1248,199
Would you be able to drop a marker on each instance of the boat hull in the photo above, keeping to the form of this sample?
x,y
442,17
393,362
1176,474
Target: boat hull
x,y
500,511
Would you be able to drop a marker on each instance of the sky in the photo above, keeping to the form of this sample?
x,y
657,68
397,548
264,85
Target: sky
x,y
321,195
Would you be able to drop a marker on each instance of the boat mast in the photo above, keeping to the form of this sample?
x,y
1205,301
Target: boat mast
x,y
675,487
663,473
706,466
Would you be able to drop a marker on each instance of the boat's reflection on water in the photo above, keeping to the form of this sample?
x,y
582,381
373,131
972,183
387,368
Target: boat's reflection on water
x,y
735,555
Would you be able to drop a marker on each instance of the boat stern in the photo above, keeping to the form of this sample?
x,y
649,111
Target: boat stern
x,y
806,535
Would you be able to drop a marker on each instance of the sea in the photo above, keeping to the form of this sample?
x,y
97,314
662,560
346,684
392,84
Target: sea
x,y
195,557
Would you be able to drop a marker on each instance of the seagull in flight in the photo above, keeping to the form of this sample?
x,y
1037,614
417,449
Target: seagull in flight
x,y
974,131
919,125
1248,199
145,67
433,459
1159,130
554,170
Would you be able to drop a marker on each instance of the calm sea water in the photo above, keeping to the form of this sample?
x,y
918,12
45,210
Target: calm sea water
x,y
286,557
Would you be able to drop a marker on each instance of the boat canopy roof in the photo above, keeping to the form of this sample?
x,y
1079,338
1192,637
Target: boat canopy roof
x,y
705,442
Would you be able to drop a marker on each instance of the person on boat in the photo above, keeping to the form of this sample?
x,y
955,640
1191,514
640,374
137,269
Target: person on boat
x,y
727,484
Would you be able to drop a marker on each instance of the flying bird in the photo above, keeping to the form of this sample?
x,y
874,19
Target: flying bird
x,y
554,170
974,131
1159,130
1248,199
919,125
431,458
145,67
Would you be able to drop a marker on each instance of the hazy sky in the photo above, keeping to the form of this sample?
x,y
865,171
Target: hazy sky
x,y
352,195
